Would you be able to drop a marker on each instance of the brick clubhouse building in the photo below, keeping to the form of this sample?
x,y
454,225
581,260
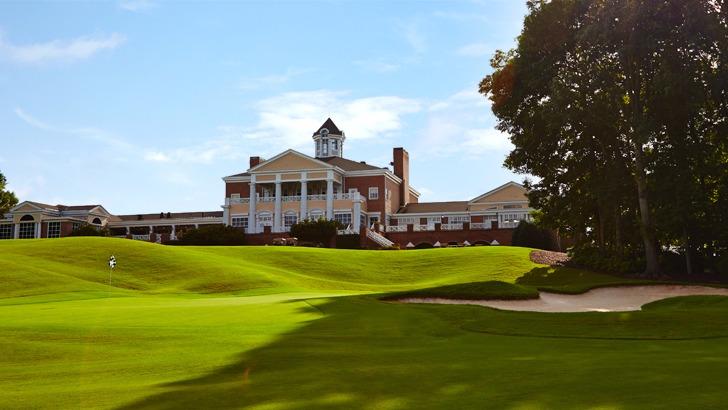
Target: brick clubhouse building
x,y
272,195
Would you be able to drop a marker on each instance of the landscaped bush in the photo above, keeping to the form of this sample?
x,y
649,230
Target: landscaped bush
x,y
604,260
212,235
321,231
721,265
89,230
348,241
529,235
471,291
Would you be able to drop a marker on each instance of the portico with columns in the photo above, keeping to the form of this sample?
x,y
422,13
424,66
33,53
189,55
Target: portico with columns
x,y
289,188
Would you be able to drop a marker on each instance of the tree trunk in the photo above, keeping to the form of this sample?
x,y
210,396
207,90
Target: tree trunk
x,y
618,229
647,228
688,251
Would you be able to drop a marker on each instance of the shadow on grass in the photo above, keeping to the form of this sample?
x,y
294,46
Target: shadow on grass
x,y
561,279
365,353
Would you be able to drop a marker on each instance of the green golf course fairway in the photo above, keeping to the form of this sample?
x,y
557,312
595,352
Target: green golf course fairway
x,y
300,328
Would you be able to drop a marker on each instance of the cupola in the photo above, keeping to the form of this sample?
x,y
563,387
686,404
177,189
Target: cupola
x,y
329,140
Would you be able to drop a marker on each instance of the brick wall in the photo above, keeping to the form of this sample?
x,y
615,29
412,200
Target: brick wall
x,y
242,188
503,236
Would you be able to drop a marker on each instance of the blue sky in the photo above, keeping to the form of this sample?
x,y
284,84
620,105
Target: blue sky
x,y
143,106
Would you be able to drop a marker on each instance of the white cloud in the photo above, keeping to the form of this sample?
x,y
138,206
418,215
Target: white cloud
x,y
137,5
474,50
88,133
377,66
414,37
59,50
288,121
252,83
461,125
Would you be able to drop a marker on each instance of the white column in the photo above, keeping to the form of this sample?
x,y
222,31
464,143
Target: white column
x,y
226,212
37,230
16,231
330,196
356,217
128,231
277,210
173,236
304,196
252,225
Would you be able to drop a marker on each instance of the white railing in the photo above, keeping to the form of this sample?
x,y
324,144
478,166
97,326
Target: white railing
x,y
397,228
379,239
291,198
238,200
267,199
424,228
480,226
317,197
346,195
141,237
451,227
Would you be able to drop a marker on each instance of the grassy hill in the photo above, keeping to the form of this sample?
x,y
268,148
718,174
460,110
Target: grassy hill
x,y
290,328
79,264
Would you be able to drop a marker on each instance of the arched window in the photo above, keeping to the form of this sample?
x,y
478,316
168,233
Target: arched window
x,y
290,218
96,221
27,218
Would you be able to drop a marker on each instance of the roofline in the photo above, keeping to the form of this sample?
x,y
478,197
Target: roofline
x,y
291,151
492,191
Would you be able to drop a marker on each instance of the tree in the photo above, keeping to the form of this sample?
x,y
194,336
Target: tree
x,y
321,231
615,104
7,198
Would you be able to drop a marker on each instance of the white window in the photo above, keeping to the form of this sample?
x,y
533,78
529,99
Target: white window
x,y
373,193
325,147
290,220
235,196
458,219
26,230
75,226
265,219
6,231
343,218
54,229
353,190
316,214
373,220
239,222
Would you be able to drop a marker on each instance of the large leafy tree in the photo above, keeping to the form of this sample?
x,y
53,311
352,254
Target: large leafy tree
x,y
617,106
7,198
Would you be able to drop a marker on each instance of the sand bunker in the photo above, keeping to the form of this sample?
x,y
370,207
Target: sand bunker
x,y
610,299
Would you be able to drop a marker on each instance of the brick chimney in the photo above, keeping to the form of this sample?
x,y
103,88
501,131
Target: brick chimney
x,y
254,161
401,169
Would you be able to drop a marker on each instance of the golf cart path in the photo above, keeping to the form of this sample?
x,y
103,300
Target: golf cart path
x,y
607,299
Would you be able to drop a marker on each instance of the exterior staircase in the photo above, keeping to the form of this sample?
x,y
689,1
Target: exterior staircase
x,y
379,239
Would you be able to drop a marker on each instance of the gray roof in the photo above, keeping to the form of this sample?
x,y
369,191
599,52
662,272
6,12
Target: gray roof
x,y
434,207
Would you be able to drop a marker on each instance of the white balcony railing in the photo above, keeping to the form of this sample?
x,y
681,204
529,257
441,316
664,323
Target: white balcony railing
x,y
480,226
291,198
238,200
452,227
140,237
397,228
317,197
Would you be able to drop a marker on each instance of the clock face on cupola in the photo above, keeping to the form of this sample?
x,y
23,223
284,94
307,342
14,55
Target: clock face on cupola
x,y
329,140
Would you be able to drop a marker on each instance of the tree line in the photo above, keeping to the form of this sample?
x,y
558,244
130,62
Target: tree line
x,y
619,109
